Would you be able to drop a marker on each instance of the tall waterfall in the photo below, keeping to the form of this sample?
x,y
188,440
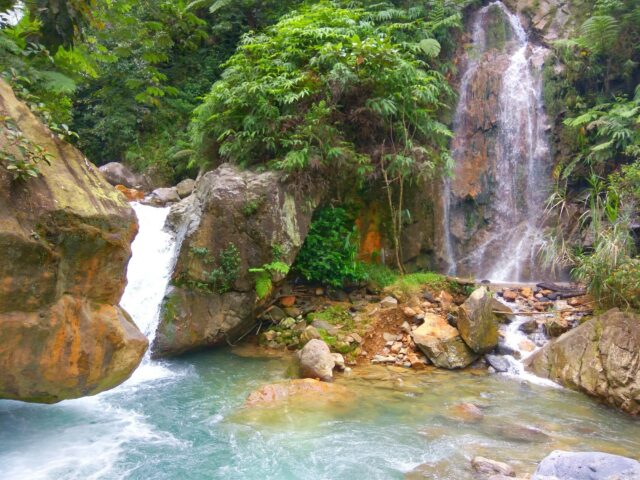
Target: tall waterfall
x,y
494,203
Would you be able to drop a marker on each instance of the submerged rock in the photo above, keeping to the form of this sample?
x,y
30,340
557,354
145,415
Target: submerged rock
x,y
317,361
229,225
601,357
64,246
301,389
487,466
466,412
561,465
498,362
477,324
442,344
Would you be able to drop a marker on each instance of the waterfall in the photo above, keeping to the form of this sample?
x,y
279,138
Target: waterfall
x,y
153,256
493,205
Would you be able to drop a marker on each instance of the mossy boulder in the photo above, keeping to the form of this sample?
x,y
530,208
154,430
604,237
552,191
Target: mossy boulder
x,y
477,323
65,240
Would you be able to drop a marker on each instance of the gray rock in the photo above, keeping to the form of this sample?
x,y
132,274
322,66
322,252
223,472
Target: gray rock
x,y
326,326
561,465
162,197
211,221
316,361
339,361
441,343
388,302
309,333
118,174
528,327
499,363
185,187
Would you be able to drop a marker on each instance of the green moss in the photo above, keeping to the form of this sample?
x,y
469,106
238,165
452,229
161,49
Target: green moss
x,y
335,315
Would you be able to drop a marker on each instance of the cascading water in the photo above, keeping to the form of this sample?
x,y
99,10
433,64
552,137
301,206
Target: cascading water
x,y
493,205
153,252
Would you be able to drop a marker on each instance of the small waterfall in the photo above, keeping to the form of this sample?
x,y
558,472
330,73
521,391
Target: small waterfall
x,y
493,204
153,255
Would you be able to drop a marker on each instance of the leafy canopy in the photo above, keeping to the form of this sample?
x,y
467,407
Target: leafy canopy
x,y
332,87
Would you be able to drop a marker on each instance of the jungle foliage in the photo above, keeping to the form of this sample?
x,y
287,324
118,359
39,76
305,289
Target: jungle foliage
x,y
598,94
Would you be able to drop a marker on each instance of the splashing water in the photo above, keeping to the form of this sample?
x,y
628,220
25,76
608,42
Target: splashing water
x,y
508,249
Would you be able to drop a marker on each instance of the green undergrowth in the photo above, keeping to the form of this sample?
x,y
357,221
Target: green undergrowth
x,y
337,315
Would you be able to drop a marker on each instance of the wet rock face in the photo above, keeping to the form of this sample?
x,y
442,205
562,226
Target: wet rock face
x,y
601,357
561,465
64,247
235,220
76,347
442,344
550,19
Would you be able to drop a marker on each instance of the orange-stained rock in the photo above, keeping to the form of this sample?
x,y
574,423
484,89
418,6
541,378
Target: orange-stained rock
x,y
131,194
298,389
466,412
288,301
65,241
73,348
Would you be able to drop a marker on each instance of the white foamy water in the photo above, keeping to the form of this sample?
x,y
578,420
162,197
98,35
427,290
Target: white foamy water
x,y
149,269
95,432
514,339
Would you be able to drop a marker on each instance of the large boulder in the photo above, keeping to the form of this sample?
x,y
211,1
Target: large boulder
x,y
118,174
234,221
601,357
65,240
442,344
316,361
561,465
477,323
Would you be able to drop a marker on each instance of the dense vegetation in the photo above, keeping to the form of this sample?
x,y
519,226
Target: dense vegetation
x,y
598,94
351,95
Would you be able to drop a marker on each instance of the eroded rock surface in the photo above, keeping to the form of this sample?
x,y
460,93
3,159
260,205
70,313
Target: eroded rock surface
x,y
601,357
64,247
235,220
442,344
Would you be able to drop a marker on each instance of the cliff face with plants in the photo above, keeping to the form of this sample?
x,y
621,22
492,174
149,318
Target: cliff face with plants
x,y
65,237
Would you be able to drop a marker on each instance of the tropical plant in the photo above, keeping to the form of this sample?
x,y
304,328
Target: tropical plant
x,y
329,253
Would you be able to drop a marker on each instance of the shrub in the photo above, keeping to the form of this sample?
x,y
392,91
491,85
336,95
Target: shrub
x,y
329,253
